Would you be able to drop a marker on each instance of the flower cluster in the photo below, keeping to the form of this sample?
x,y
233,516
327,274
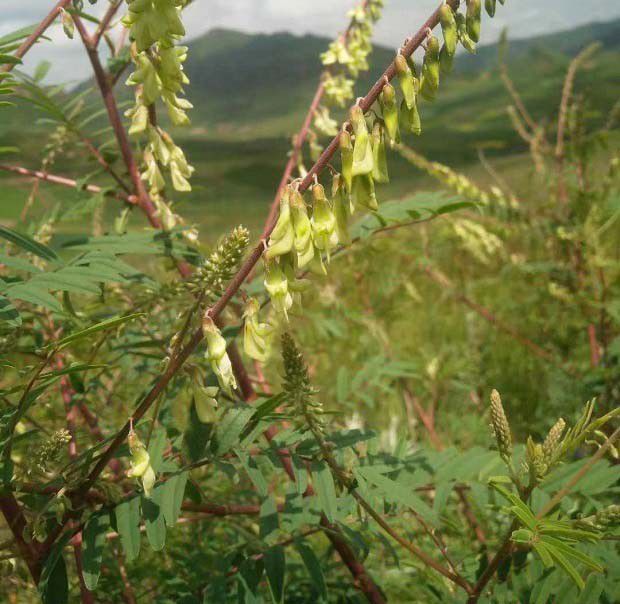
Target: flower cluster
x,y
155,26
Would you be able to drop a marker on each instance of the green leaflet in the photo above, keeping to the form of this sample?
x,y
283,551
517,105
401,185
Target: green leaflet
x,y
28,244
89,331
94,540
172,497
275,568
127,515
313,566
325,488
154,521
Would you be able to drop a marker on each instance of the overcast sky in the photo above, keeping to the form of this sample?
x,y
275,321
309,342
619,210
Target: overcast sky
x,y
401,17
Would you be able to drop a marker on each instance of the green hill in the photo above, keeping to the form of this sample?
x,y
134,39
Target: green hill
x,y
251,92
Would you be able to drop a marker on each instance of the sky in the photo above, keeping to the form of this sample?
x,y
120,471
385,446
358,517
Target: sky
x,y
523,18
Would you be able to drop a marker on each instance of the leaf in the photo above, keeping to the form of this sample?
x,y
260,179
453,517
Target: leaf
x,y
323,482
35,295
53,584
570,570
27,243
94,540
269,521
157,447
18,263
394,492
8,313
172,498
230,426
567,550
127,516
314,567
107,324
41,70
275,566
154,522
543,553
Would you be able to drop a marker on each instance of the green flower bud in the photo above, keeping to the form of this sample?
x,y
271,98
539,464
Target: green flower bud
x,y
255,334
324,123
363,192
342,209
535,458
553,439
282,237
389,109
276,285
146,75
379,169
323,221
472,19
410,118
140,463
468,44
68,26
406,79
362,149
490,5
217,356
304,248
430,70
445,61
346,157
205,402
448,28
501,428
139,119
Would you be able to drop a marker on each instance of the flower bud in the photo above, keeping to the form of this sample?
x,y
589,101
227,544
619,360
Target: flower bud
x,y
282,236
323,221
362,149
468,44
501,428
406,79
304,248
379,169
389,109
346,156
490,6
363,192
255,334
342,210
140,463
552,441
410,118
217,356
276,285
448,27
472,19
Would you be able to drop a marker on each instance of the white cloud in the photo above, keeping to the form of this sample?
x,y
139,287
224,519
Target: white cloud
x,y
326,17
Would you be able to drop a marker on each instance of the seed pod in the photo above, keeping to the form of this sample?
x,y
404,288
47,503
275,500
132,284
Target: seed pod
x,y
552,441
468,44
304,248
342,209
323,221
490,5
501,428
379,168
282,237
276,285
445,61
346,157
362,149
448,28
406,79
472,19
363,192
430,70
410,118
389,110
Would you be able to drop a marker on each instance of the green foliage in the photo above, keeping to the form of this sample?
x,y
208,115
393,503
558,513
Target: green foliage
x,y
128,408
